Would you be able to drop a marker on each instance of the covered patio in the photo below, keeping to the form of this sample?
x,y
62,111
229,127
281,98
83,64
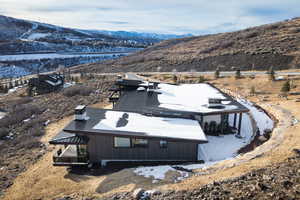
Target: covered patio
x,y
72,150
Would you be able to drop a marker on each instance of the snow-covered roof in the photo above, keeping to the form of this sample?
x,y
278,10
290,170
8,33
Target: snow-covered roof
x,y
80,107
191,97
54,83
175,128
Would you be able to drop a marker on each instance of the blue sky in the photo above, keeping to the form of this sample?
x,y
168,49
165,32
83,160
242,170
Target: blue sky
x,y
160,16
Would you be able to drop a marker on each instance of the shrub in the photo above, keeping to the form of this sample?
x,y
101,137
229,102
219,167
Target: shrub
x,y
201,79
36,130
217,73
271,73
252,90
238,74
3,132
286,87
20,113
78,90
175,79
31,143
24,100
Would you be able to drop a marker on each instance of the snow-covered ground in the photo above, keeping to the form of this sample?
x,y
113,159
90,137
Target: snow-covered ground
x,y
35,36
225,146
13,71
156,172
263,121
218,148
54,55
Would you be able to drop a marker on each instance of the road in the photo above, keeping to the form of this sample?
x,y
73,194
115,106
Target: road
x,y
132,75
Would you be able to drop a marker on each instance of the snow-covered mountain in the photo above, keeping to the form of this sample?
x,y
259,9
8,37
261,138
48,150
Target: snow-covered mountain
x,y
133,34
50,46
24,36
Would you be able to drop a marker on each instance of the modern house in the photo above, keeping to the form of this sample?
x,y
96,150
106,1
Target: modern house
x,y
45,83
152,122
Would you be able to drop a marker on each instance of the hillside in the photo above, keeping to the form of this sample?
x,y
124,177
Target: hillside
x,y
255,48
22,36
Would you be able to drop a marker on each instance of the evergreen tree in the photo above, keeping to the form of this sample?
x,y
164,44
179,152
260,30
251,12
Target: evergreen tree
x,y
201,79
175,79
238,74
271,74
5,89
16,83
76,79
252,90
1,88
286,87
217,73
10,85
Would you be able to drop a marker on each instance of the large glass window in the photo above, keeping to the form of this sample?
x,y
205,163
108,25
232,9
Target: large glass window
x,y
121,142
139,142
163,144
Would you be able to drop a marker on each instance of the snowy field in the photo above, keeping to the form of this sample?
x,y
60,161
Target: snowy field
x,y
219,148
54,55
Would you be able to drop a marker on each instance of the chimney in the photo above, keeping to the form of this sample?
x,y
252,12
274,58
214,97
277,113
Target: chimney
x,y
80,113
215,103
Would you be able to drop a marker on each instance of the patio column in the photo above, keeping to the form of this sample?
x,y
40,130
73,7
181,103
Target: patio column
x,y
234,120
240,123
222,124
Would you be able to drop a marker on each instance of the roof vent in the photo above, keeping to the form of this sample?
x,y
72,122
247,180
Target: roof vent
x,y
215,103
80,113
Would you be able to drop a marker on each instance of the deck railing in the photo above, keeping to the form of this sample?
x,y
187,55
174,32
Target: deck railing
x,y
69,157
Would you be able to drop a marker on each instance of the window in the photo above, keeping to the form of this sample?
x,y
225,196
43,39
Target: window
x,y
82,150
139,142
163,144
121,142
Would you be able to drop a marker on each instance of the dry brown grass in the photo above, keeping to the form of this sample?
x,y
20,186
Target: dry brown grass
x,y
43,181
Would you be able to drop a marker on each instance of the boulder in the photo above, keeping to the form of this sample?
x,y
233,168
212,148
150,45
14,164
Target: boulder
x,y
138,193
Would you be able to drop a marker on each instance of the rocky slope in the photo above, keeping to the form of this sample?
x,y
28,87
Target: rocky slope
x,y
255,48
281,181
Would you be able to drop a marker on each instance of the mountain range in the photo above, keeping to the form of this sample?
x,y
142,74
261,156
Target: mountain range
x,y
24,36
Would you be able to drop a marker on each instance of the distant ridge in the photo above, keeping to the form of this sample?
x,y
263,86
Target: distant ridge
x,y
257,48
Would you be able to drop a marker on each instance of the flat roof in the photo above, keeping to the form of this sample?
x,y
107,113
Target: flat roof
x,y
117,123
184,98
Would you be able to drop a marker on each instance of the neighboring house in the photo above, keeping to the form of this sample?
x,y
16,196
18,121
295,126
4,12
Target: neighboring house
x,y
45,84
151,122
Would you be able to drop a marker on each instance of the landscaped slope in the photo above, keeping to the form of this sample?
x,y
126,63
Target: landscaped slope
x,y
256,48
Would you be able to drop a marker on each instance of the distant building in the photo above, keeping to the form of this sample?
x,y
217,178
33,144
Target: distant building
x,y
151,122
45,84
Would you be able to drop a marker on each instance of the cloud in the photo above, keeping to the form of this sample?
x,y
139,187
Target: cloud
x,y
116,22
66,8
168,16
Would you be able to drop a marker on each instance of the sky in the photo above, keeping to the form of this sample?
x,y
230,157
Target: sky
x,y
157,16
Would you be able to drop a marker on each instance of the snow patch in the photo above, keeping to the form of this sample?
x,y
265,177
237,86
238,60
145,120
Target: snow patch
x,y
262,120
35,36
159,172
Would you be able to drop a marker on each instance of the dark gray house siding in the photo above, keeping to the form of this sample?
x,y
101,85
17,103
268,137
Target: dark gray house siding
x,y
101,147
